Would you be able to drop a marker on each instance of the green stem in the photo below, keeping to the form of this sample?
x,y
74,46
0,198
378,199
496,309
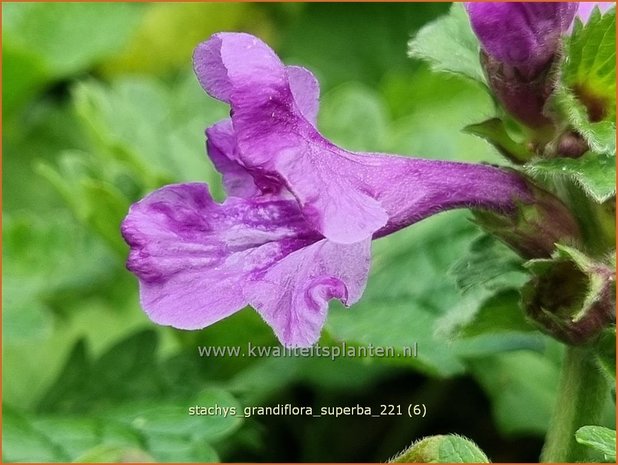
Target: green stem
x,y
582,394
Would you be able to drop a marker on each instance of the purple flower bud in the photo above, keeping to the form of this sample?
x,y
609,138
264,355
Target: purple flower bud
x,y
522,35
296,228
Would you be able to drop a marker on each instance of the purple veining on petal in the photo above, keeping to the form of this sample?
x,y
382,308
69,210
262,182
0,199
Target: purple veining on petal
x,y
199,261
192,254
523,35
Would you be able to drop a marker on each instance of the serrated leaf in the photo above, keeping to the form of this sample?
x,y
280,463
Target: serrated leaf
x,y
497,326
590,67
88,406
599,438
600,134
490,274
586,94
595,173
488,264
71,382
172,434
442,449
499,314
155,131
449,45
494,131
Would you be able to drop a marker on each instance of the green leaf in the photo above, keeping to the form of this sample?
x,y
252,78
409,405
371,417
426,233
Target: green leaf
x,y
494,131
595,173
424,115
590,68
48,41
88,407
21,442
586,94
499,314
43,259
172,434
600,134
69,37
407,295
488,264
489,275
377,35
522,386
77,435
172,417
499,325
140,123
25,316
113,454
84,383
71,383
599,438
355,116
24,73
449,45
165,448
442,449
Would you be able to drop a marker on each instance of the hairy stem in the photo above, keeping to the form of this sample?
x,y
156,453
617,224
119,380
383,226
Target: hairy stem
x,y
582,394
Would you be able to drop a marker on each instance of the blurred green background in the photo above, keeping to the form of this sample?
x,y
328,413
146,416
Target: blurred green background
x,y
100,107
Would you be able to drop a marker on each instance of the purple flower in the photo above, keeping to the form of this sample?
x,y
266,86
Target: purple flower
x,y
296,228
522,35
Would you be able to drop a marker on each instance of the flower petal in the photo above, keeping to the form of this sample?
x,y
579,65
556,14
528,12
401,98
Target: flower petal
x,y
229,62
412,189
293,294
306,92
193,256
221,145
275,139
